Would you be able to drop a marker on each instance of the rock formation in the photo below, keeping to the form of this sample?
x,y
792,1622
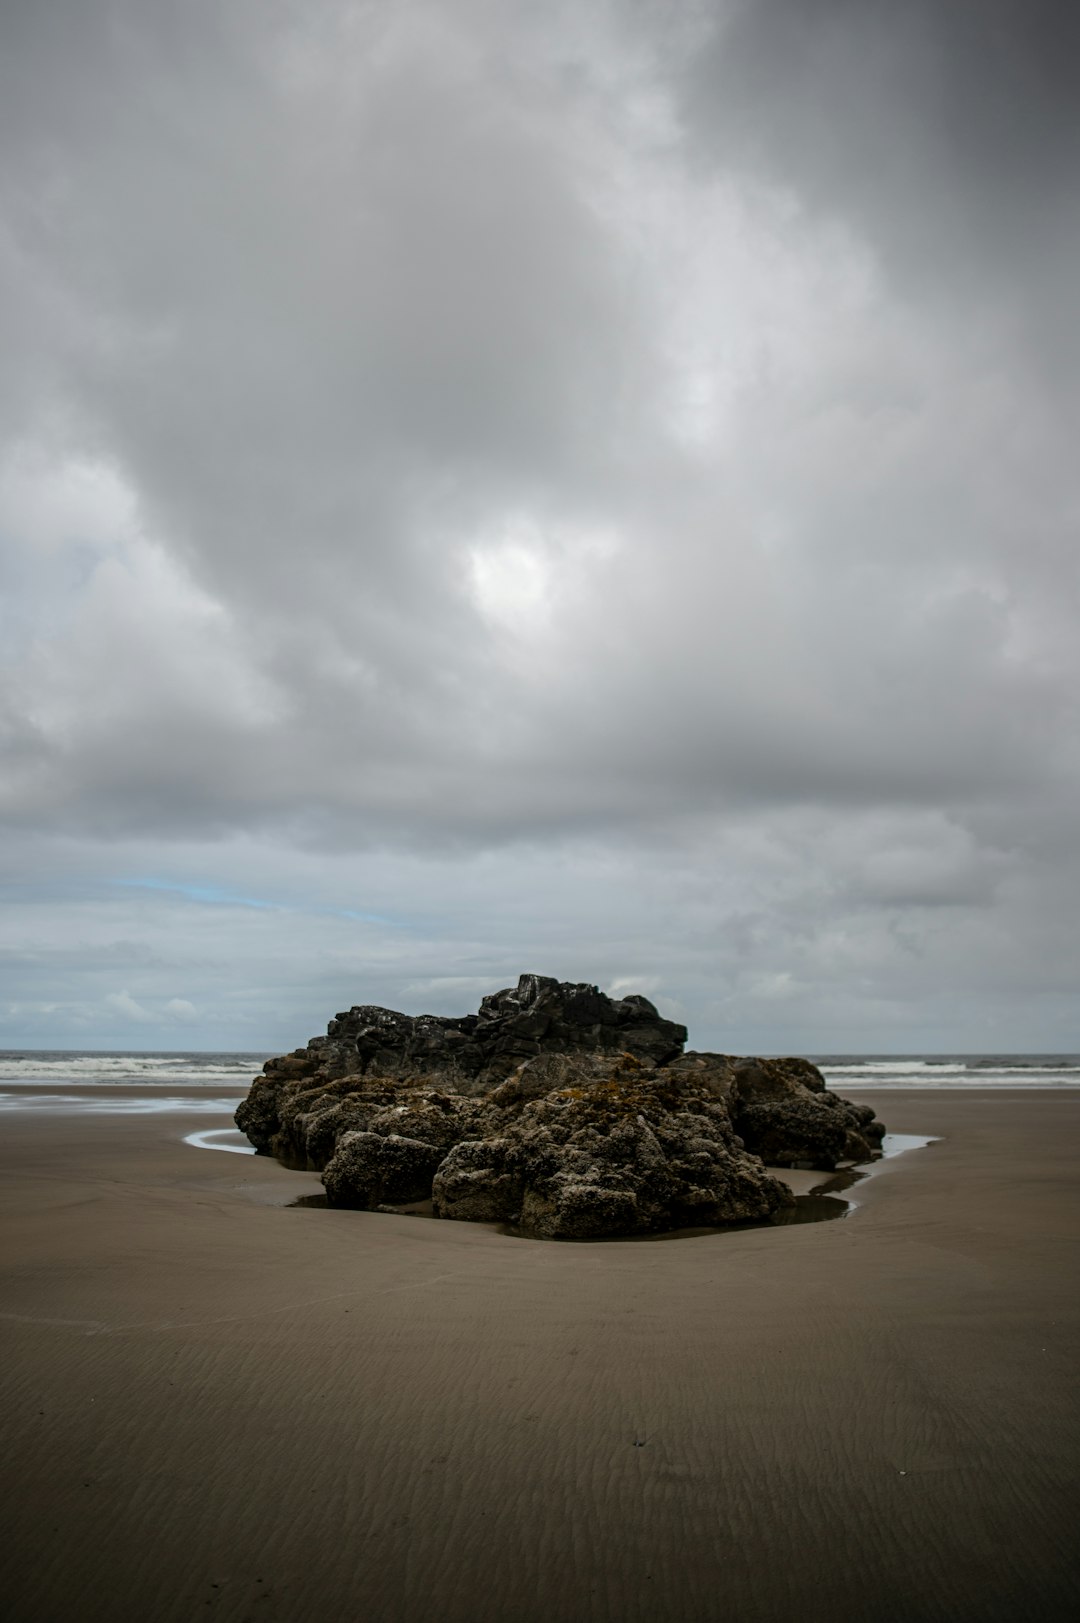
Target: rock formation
x,y
557,1109
538,1015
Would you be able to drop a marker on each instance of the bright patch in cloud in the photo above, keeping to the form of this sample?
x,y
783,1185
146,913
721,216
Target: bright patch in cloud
x,y
511,581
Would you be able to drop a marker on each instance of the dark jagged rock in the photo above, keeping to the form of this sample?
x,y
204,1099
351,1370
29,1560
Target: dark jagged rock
x,y
556,1108
538,1015
784,1112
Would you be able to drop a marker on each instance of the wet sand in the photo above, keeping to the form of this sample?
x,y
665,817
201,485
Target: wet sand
x,y
219,1406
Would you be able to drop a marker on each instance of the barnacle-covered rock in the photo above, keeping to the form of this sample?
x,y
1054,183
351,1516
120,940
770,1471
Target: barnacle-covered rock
x,y
623,1147
380,1169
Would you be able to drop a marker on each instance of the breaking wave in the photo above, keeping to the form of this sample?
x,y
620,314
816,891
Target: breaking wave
x,y
21,1068
951,1071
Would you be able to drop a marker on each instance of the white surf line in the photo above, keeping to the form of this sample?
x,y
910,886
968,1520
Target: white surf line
x,y
203,1140
894,1144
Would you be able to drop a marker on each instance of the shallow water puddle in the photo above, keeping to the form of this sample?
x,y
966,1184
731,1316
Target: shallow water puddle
x,y
844,1178
812,1208
822,1203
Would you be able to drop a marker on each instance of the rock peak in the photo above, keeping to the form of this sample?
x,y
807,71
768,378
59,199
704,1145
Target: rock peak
x,y
540,1015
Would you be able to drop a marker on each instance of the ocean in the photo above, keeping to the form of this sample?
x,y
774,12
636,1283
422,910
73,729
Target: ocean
x,y
232,1073
858,1072
27,1066
143,1082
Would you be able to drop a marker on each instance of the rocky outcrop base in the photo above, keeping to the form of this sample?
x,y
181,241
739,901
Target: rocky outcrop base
x,y
563,1142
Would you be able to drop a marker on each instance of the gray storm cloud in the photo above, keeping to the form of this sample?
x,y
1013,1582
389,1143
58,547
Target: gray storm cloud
x,y
950,132
445,444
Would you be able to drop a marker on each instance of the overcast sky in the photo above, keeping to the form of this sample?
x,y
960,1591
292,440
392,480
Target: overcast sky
x,y
498,485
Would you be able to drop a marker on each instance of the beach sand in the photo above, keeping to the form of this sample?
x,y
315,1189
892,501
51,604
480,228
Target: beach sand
x,y
216,1405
